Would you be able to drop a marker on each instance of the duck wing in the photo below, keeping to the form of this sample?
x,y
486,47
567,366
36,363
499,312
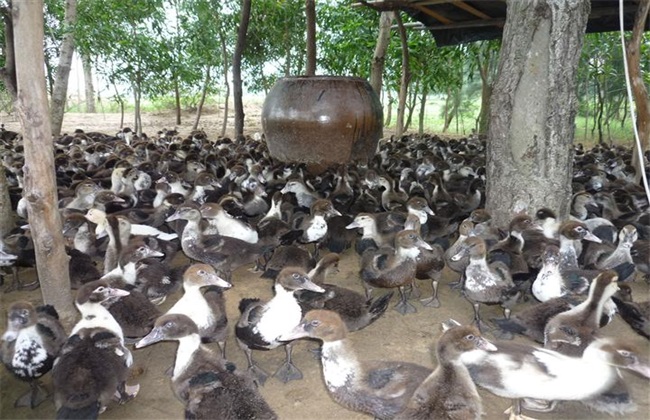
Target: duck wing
x,y
637,315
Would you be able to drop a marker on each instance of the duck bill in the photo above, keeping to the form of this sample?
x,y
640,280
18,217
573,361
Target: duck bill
x,y
117,293
334,212
296,333
218,281
422,244
593,238
309,285
642,368
457,256
153,337
428,210
483,344
173,217
352,225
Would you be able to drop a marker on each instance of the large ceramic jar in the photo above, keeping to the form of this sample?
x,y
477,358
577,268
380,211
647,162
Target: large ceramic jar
x,y
322,120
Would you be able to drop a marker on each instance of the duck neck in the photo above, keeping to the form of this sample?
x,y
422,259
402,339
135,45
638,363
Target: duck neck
x,y
340,363
187,346
568,256
94,315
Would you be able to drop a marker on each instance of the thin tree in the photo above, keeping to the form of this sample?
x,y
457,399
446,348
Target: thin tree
x,y
88,83
236,67
310,13
379,56
639,90
60,90
533,108
406,76
40,182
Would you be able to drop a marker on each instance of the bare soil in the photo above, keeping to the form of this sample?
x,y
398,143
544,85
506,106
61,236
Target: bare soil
x,y
393,337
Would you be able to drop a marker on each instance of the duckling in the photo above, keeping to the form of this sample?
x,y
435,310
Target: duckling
x,y
640,253
206,309
221,252
371,237
28,347
313,228
305,196
94,363
287,256
571,331
227,225
375,387
518,371
430,264
262,323
449,391
484,283
606,259
455,259
532,320
394,267
156,279
571,233
356,311
208,385
636,314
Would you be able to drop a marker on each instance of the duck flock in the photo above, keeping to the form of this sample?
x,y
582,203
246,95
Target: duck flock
x,y
159,228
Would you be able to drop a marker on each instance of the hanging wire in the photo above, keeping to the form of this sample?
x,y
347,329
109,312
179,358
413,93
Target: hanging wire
x,y
631,101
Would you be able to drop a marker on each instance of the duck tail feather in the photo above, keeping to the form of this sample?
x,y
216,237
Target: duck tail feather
x,y
245,303
378,306
509,325
48,310
625,271
88,412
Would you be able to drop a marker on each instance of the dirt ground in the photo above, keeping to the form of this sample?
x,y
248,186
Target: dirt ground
x,y
393,337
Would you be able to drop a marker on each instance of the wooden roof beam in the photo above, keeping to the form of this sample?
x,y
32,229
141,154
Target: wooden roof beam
x,y
471,9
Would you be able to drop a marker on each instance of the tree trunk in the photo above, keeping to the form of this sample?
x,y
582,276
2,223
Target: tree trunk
x,y
389,111
136,105
88,81
639,90
236,67
406,76
533,108
453,112
226,106
40,182
7,214
310,12
60,90
177,98
9,70
379,56
423,103
204,92
412,99
486,95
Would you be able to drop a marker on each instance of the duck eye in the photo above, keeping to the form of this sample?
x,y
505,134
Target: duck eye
x,y
469,337
625,353
202,272
315,323
296,275
168,324
100,289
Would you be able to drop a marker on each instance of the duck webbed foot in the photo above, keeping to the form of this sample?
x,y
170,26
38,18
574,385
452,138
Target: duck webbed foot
x,y
34,397
433,301
514,412
403,306
288,371
541,406
126,393
413,291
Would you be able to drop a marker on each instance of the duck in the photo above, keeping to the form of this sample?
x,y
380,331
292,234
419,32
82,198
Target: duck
x,y
371,237
394,267
517,371
227,225
571,331
206,309
614,257
430,264
378,388
208,385
313,228
29,346
222,252
484,283
571,234
635,314
531,321
356,311
93,364
640,253
261,323
305,196
449,392
295,255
